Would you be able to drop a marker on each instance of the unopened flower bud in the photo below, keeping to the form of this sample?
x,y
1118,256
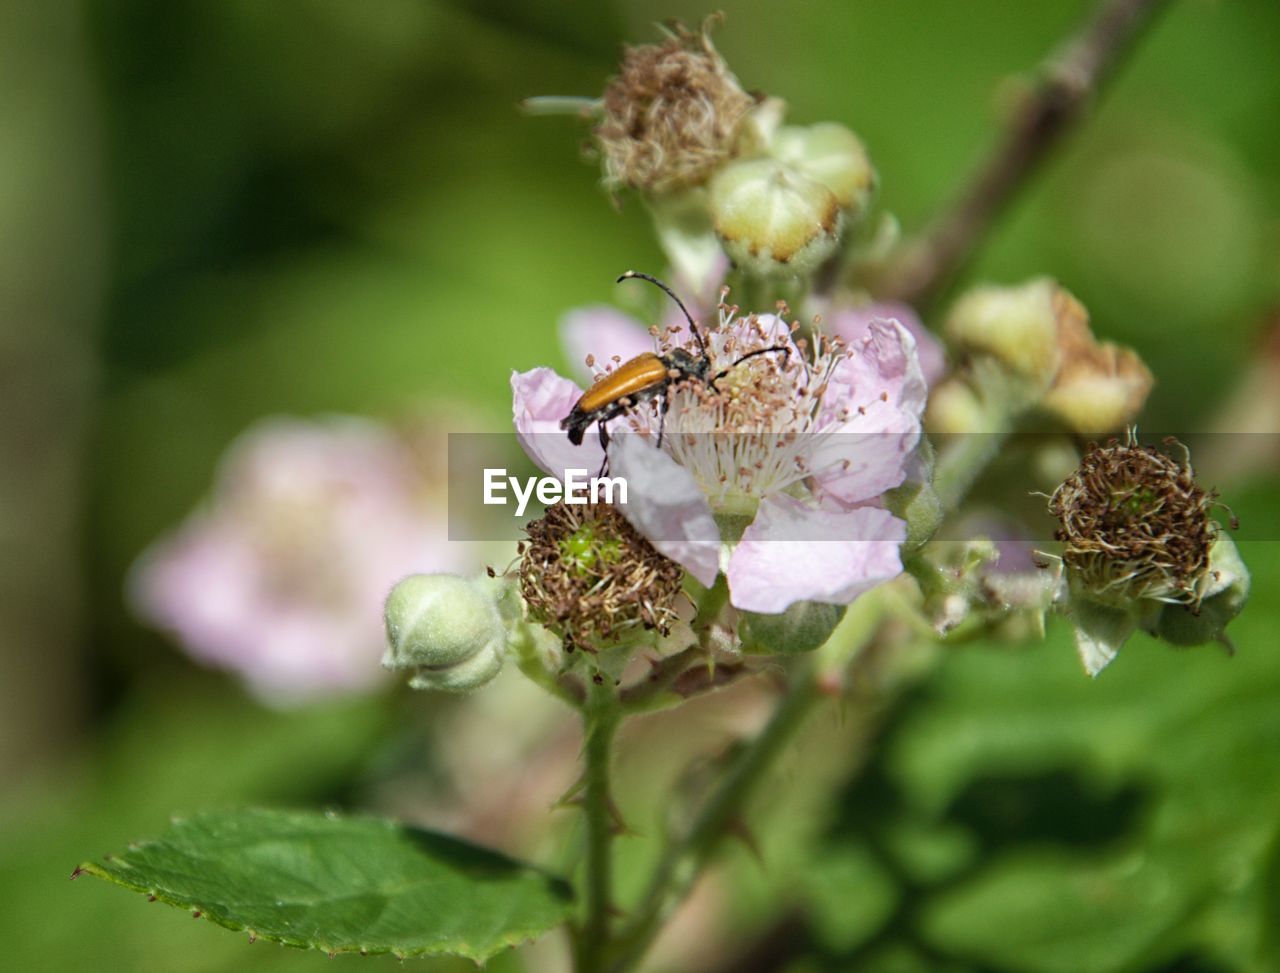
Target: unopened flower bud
x,y
772,219
1040,333
803,627
446,630
672,116
1017,325
831,155
955,409
1100,389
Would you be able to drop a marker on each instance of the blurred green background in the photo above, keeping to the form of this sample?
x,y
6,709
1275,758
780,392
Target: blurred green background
x,y
212,211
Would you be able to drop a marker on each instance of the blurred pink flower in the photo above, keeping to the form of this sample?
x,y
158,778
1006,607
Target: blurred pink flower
x,y
799,447
281,576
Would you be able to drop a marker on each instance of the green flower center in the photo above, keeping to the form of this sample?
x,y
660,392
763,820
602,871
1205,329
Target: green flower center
x,y
588,550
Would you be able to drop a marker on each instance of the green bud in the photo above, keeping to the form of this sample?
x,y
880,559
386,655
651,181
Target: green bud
x,y
1017,325
1040,335
446,630
803,627
1100,388
1223,600
831,155
956,409
772,220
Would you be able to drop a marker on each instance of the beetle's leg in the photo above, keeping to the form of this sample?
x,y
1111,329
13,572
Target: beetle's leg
x,y
662,414
604,448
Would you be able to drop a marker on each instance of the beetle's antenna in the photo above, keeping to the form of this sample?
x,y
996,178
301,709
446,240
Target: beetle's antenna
x,y
786,357
702,345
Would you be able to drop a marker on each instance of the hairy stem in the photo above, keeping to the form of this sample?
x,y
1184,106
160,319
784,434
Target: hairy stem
x,y
600,719
1067,82
564,688
685,859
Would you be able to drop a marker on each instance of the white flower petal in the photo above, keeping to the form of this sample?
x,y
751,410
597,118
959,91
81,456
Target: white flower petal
x,y
874,404
792,552
666,506
540,399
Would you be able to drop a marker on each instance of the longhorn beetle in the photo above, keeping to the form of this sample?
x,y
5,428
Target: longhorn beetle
x,y
646,377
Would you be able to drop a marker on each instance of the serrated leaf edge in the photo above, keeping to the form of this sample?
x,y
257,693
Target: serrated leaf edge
x,y
479,957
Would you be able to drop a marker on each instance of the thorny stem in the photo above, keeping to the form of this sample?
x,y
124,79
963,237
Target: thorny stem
x,y
1067,83
687,856
600,718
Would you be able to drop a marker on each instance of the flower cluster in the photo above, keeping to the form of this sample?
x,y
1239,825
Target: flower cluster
x,y
716,166
1045,356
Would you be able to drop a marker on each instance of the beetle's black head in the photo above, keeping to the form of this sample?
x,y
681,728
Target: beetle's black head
x,y
688,364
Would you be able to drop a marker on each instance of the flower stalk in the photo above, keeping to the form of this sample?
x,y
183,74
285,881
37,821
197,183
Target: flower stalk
x,y
687,857
601,716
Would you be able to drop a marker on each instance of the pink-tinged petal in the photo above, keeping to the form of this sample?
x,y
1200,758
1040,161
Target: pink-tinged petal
x,y
666,506
851,323
792,552
540,400
601,332
873,407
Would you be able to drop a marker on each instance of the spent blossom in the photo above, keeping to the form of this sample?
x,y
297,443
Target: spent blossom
x,y
672,115
1141,549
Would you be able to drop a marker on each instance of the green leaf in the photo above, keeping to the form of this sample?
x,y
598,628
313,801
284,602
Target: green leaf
x,y
343,884
1050,914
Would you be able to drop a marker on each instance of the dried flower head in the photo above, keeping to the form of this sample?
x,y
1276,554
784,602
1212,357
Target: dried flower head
x,y
591,577
1135,525
672,115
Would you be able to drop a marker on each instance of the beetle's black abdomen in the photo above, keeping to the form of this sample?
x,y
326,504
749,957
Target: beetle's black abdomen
x,y
576,423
